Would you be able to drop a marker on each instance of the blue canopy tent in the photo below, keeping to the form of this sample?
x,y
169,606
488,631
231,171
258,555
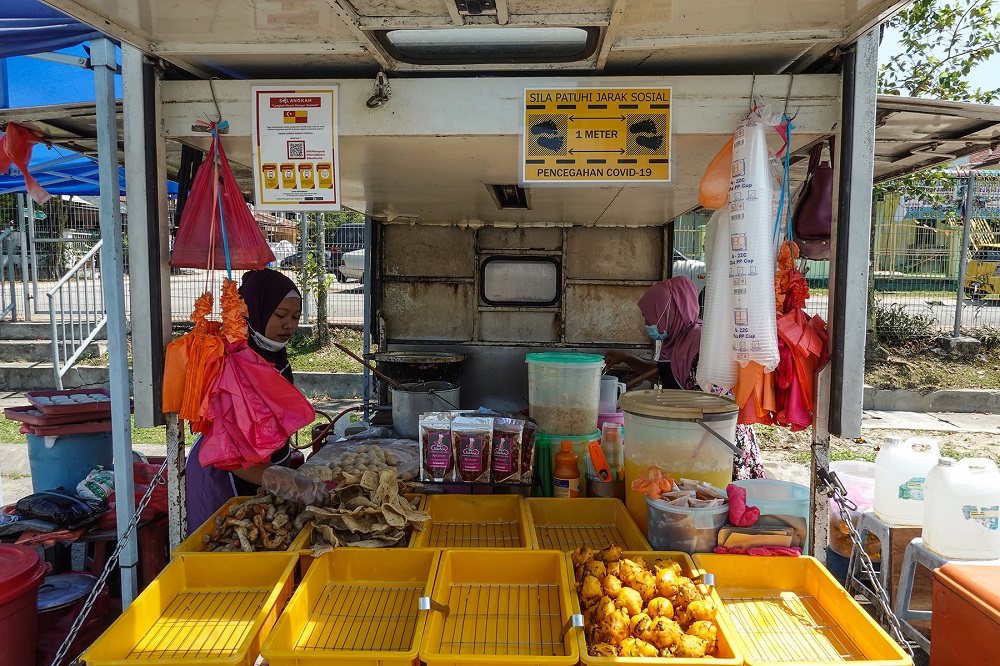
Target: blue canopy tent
x,y
62,171
28,27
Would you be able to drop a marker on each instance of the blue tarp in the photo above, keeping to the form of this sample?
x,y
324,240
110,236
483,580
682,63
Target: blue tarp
x,y
64,172
28,26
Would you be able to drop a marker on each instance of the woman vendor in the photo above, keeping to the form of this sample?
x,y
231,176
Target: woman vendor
x,y
274,306
671,310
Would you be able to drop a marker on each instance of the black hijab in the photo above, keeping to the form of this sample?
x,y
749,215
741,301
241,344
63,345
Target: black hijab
x,y
263,291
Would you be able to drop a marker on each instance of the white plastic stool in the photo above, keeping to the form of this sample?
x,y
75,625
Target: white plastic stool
x,y
916,553
869,523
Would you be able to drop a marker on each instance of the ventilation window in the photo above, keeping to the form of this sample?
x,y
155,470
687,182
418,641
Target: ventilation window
x,y
490,45
520,281
509,196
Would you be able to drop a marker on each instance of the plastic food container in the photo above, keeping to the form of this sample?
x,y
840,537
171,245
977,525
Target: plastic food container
x,y
195,544
790,610
564,391
858,478
671,429
593,522
726,654
962,511
503,607
356,605
790,501
22,570
581,447
202,609
474,521
900,471
684,529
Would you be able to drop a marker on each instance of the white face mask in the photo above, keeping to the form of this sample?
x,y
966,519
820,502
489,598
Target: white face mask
x,y
267,344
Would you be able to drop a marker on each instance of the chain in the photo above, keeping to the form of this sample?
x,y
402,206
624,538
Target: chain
x,y
834,489
158,480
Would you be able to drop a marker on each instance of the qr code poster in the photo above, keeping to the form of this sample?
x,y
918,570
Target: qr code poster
x,y
295,151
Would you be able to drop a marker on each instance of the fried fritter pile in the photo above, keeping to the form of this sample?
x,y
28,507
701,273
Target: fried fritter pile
x,y
631,610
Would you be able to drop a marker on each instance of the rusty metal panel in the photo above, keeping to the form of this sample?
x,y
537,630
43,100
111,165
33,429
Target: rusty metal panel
x,y
614,253
605,313
428,251
428,311
521,326
520,238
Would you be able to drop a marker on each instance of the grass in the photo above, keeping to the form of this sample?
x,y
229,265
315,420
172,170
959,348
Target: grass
x,y
10,433
920,366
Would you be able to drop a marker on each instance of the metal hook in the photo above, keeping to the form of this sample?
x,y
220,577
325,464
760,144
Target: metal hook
x,y
788,96
380,91
753,86
215,101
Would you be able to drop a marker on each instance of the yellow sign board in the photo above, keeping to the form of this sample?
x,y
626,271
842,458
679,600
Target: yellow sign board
x,y
596,135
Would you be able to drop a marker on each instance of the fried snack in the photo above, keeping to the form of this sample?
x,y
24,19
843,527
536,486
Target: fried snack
x,y
612,586
582,555
660,607
645,584
663,633
596,569
635,647
590,590
629,600
666,583
610,554
602,650
614,628
690,647
264,522
627,571
639,624
701,610
706,631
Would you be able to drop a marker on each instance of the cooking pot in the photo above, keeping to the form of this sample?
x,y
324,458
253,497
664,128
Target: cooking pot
x,y
419,366
416,399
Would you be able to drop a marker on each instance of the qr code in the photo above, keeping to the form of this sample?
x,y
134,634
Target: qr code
x,y
296,150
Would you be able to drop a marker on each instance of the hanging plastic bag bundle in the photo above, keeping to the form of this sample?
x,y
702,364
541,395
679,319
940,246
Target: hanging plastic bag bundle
x,y
193,362
716,364
713,191
215,196
15,148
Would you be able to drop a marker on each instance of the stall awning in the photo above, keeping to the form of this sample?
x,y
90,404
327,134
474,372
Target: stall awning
x,y
28,26
64,172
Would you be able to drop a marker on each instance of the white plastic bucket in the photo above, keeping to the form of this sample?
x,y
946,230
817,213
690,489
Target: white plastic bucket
x,y
684,529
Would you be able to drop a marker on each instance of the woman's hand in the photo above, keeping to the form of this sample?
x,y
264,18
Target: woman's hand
x,y
636,364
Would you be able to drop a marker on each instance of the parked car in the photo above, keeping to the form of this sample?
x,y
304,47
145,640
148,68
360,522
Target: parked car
x,y
346,238
295,261
982,274
352,265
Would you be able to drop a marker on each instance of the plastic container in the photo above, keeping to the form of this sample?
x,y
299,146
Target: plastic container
x,y
581,447
790,610
194,543
564,390
504,607
611,390
900,470
962,511
595,522
474,521
669,429
22,570
966,611
208,610
566,472
858,479
63,462
356,606
726,653
784,502
683,529
610,417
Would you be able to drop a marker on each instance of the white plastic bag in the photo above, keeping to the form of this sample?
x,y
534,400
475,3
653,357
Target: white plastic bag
x,y
753,198
716,363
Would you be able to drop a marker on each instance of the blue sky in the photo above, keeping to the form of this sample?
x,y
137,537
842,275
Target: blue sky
x,y
36,82
985,76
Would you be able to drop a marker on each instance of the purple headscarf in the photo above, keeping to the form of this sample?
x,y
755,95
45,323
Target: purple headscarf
x,y
672,306
263,291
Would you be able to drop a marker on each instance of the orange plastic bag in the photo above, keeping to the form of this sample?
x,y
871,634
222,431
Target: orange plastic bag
x,y
713,192
193,361
15,148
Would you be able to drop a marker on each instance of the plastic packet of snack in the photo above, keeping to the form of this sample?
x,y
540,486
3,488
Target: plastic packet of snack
x,y
437,459
505,460
472,442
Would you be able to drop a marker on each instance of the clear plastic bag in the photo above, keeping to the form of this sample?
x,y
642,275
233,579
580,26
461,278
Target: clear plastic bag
x,y
716,364
294,486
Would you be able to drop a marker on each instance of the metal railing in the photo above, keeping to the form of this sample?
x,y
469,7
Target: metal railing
x,y
79,316
7,284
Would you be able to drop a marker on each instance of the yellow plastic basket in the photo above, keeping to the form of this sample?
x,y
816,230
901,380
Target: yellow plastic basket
x,y
356,606
474,521
207,609
195,544
500,607
727,653
791,611
564,524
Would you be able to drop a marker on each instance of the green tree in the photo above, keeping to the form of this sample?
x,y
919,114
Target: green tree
x,y
942,42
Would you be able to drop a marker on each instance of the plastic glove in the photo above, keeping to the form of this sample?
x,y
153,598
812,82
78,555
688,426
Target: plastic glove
x,y
293,486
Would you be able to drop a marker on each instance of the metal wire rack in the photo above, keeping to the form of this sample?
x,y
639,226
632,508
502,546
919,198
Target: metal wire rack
x,y
474,535
567,537
503,620
200,625
789,628
362,617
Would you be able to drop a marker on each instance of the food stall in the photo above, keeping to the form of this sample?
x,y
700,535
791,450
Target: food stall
x,y
519,201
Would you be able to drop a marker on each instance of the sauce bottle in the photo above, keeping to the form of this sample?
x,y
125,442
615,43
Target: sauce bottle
x,y
566,474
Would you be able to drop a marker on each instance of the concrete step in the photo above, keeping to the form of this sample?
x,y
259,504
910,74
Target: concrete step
x,y
40,329
41,350
40,377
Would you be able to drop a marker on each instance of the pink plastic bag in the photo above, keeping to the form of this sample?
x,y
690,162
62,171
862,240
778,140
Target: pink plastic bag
x,y
199,234
15,148
253,410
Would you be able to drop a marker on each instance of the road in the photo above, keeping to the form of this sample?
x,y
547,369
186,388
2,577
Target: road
x,y
941,309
